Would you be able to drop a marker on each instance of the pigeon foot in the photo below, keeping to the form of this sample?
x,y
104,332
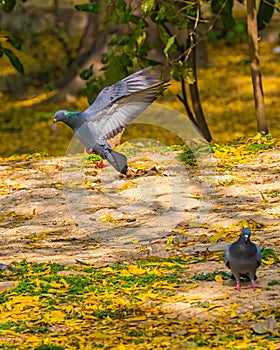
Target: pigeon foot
x,y
237,287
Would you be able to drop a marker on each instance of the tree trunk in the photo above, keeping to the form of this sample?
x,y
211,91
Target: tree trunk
x,y
90,51
198,111
255,66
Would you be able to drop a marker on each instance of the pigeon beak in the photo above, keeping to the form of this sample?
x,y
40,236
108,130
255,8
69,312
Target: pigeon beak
x,y
53,124
246,238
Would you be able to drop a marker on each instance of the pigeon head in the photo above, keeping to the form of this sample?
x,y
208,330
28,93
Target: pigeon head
x,y
245,235
71,118
65,116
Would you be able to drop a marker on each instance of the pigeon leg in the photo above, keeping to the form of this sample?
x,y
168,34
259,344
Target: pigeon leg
x,y
117,160
237,287
252,279
237,278
89,151
253,284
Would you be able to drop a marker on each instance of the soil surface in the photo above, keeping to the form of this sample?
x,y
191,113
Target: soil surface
x,y
72,211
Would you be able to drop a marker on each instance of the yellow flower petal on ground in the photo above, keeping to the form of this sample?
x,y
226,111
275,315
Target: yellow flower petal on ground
x,y
54,316
220,297
219,278
194,285
216,236
135,270
268,261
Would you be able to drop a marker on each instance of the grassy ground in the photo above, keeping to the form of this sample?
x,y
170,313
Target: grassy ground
x,y
140,278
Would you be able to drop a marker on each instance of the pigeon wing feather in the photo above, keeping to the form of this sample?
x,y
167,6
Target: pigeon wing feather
x,y
258,255
134,82
117,115
227,256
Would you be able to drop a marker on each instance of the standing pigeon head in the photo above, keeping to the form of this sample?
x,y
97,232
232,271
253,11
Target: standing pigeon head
x,y
243,257
245,235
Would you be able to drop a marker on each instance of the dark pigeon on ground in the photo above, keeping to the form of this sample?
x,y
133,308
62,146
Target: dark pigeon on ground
x,y
4,267
114,108
243,257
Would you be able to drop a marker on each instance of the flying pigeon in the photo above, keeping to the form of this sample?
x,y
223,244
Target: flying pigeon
x,y
114,107
243,257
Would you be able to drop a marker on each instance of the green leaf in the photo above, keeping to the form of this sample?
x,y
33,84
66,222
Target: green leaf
x,y
179,70
123,12
189,75
15,41
149,62
265,13
116,39
86,73
170,42
224,8
15,61
8,5
91,7
176,71
147,6
160,17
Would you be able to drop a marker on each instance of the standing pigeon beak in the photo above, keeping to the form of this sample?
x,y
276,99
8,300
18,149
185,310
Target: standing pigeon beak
x,y
246,234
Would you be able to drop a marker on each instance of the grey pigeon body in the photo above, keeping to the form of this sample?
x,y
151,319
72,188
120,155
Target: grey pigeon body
x,y
243,257
114,108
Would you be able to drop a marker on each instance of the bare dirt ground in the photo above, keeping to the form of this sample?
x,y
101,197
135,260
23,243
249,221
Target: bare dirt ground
x,y
54,210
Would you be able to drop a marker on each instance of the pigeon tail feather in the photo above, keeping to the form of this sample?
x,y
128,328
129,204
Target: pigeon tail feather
x,y
120,162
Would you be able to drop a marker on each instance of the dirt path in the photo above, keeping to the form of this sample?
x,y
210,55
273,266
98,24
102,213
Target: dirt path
x,y
58,211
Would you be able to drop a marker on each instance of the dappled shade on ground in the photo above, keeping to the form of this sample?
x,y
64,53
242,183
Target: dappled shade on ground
x,y
171,290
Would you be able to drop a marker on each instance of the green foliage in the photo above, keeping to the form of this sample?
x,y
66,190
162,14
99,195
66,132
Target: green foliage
x,y
91,7
49,347
268,253
233,31
87,73
8,5
147,6
273,193
187,156
14,40
265,142
211,276
132,47
169,44
265,13
223,8
93,157
15,61
273,283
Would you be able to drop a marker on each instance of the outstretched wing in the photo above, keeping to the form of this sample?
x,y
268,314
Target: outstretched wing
x,y
135,82
114,117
